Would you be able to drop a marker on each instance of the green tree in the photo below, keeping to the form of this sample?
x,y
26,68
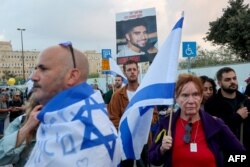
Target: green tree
x,y
7,74
232,29
219,56
19,81
93,75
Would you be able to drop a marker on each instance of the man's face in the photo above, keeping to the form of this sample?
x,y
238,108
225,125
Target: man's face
x,y
16,97
5,98
229,82
131,72
48,77
138,36
118,82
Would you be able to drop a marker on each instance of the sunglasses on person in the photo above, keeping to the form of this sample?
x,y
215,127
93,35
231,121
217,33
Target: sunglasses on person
x,y
187,135
69,45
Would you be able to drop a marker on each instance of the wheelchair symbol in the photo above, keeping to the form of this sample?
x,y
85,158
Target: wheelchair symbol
x,y
189,51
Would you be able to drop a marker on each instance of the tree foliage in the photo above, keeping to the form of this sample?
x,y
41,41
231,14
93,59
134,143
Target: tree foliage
x,y
219,56
232,29
93,75
7,74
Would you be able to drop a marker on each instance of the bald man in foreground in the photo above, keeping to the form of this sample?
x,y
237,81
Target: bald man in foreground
x,y
74,127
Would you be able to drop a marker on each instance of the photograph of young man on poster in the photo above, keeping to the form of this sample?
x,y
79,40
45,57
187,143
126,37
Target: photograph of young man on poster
x,y
136,35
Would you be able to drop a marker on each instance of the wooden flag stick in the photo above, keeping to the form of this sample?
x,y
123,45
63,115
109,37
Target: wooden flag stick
x,y
113,86
170,120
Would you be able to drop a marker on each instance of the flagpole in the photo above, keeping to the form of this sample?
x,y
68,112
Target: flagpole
x,y
113,86
107,84
132,140
170,120
140,68
172,107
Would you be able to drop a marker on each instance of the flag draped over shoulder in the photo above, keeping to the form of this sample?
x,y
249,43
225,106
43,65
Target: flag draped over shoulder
x,y
75,131
116,70
157,88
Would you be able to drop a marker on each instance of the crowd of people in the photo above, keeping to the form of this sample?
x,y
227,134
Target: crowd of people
x,y
207,127
11,106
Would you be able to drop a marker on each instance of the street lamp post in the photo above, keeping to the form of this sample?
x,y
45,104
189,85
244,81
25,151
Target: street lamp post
x,y
22,29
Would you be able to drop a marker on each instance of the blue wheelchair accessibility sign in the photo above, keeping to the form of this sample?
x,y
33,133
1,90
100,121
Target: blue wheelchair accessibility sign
x,y
189,49
106,53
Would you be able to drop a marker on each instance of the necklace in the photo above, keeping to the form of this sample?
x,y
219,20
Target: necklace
x,y
197,127
193,146
188,135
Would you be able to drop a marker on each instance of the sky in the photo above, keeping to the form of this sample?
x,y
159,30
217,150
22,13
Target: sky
x,y
90,24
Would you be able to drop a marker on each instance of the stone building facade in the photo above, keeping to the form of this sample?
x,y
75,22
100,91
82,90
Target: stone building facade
x,y
12,61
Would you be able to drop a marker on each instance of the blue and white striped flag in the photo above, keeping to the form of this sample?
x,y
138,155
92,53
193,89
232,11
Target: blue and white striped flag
x,y
75,131
157,88
116,70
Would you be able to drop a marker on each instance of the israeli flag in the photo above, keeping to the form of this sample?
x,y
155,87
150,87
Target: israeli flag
x,y
157,88
75,131
29,85
116,70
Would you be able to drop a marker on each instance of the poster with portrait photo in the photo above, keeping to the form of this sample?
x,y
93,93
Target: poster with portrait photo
x,y
136,35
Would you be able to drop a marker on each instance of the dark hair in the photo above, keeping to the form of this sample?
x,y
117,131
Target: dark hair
x,y
247,91
183,79
223,70
129,62
130,24
119,76
205,78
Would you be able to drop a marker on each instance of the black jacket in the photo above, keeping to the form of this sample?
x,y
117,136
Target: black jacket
x,y
225,109
15,114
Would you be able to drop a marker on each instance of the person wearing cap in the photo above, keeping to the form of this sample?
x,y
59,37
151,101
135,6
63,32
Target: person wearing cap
x,y
136,35
17,107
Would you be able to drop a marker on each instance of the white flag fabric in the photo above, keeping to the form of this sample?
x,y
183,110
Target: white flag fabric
x,y
75,131
116,70
157,88
29,85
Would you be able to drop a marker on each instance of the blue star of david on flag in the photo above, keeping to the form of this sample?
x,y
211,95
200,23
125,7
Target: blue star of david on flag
x,y
75,131
87,119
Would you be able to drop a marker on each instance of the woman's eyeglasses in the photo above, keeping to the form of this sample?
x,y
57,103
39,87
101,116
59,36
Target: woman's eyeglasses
x,y
69,45
187,135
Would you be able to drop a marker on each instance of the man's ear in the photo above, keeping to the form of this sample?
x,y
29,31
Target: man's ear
x,y
219,83
127,37
73,77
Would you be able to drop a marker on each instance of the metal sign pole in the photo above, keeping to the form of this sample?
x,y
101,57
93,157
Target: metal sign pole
x,y
189,50
189,65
